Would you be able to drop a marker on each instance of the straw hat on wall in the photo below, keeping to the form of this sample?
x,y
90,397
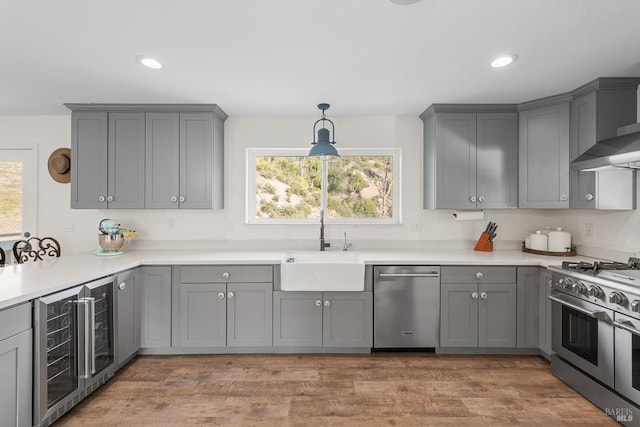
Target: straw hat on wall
x,y
60,165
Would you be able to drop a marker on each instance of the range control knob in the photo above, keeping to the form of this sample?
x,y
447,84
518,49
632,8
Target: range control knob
x,y
635,305
579,287
565,283
617,298
595,291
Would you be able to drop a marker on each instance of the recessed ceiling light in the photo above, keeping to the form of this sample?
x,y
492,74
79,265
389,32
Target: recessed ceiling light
x,y
147,61
504,60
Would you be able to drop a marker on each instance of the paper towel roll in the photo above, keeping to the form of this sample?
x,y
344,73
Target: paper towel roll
x,y
468,215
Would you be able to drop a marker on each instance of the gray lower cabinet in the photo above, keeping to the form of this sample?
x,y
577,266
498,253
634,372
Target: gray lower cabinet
x,y
478,307
155,311
129,290
223,306
107,160
327,319
16,353
470,156
544,329
544,153
528,300
598,109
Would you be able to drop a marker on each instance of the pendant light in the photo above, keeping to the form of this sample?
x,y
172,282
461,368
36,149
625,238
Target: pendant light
x,y
323,146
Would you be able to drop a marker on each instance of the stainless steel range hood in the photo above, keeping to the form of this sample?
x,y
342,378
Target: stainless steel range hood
x,y
619,152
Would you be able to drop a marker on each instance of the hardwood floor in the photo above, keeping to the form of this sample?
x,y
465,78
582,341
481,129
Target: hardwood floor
x,y
382,389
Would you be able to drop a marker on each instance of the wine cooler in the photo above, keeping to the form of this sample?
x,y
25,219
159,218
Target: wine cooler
x,y
74,347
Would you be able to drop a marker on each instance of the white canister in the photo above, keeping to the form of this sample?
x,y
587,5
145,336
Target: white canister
x,y
538,241
527,241
559,241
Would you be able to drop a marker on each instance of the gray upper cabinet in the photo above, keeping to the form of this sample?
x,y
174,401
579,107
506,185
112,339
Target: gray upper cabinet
x,y
478,307
598,109
223,306
147,156
328,319
128,315
470,156
107,160
544,153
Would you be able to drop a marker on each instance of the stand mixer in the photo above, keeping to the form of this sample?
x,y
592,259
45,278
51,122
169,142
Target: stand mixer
x,y
112,238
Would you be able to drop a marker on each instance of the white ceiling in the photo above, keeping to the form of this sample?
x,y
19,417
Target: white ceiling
x,y
282,57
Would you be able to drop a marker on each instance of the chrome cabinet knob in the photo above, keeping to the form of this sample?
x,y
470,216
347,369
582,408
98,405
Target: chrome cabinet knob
x,y
122,286
479,275
226,275
230,295
589,197
617,298
182,199
221,295
635,305
109,198
579,287
474,295
549,283
481,199
483,295
174,199
595,291
318,303
472,199
327,303
101,199
564,197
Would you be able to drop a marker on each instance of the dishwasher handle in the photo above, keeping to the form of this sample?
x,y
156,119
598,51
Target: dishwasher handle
x,y
431,274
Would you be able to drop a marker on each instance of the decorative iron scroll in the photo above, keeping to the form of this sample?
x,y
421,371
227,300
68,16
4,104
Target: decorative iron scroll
x,y
34,249
2,257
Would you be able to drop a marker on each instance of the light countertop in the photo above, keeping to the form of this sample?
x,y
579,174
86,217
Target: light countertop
x,y
20,283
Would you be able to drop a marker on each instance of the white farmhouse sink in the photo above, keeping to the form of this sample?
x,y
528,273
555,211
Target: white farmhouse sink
x,y
322,271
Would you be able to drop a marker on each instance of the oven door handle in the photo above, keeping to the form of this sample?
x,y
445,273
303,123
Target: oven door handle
x,y
627,326
595,314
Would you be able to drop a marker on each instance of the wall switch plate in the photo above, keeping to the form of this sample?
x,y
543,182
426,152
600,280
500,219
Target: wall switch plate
x,y
171,223
588,229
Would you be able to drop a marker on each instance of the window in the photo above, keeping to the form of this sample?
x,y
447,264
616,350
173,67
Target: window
x,y
286,186
17,194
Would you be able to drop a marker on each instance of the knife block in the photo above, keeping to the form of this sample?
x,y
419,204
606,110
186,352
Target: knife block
x,y
483,244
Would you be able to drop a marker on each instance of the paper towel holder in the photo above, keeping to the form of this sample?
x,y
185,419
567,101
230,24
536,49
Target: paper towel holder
x,y
468,215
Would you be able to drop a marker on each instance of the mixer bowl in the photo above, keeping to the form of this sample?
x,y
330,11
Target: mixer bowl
x,y
110,242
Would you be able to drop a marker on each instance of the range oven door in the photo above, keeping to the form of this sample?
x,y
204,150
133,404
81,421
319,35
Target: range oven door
x,y
628,357
583,335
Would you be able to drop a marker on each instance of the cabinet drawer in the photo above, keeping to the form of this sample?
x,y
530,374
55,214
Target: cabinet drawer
x,y
235,274
15,320
470,274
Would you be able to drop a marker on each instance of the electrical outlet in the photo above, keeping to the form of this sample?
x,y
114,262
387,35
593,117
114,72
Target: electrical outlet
x,y
171,223
588,229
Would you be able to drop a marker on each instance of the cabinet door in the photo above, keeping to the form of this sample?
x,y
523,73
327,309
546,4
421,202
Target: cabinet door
x,y
162,161
347,319
250,313
297,319
155,313
203,315
456,161
16,374
528,287
582,137
89,155
497,315
128,315
196,161
126,160
544,329
544,157
458,315
497,160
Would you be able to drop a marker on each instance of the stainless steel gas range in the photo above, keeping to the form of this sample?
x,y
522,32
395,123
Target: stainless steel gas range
x,y
596,334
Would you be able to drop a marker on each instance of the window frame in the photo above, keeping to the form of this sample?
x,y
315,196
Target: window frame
x,y
253,153
29,158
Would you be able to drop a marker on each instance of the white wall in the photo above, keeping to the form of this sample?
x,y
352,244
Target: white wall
x,y
618,230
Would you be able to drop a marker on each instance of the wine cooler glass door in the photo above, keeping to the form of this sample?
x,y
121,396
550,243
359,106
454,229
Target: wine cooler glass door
x,y
103,353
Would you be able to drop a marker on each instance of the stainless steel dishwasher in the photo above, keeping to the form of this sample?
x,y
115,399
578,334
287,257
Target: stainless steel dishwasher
x,y
406,306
